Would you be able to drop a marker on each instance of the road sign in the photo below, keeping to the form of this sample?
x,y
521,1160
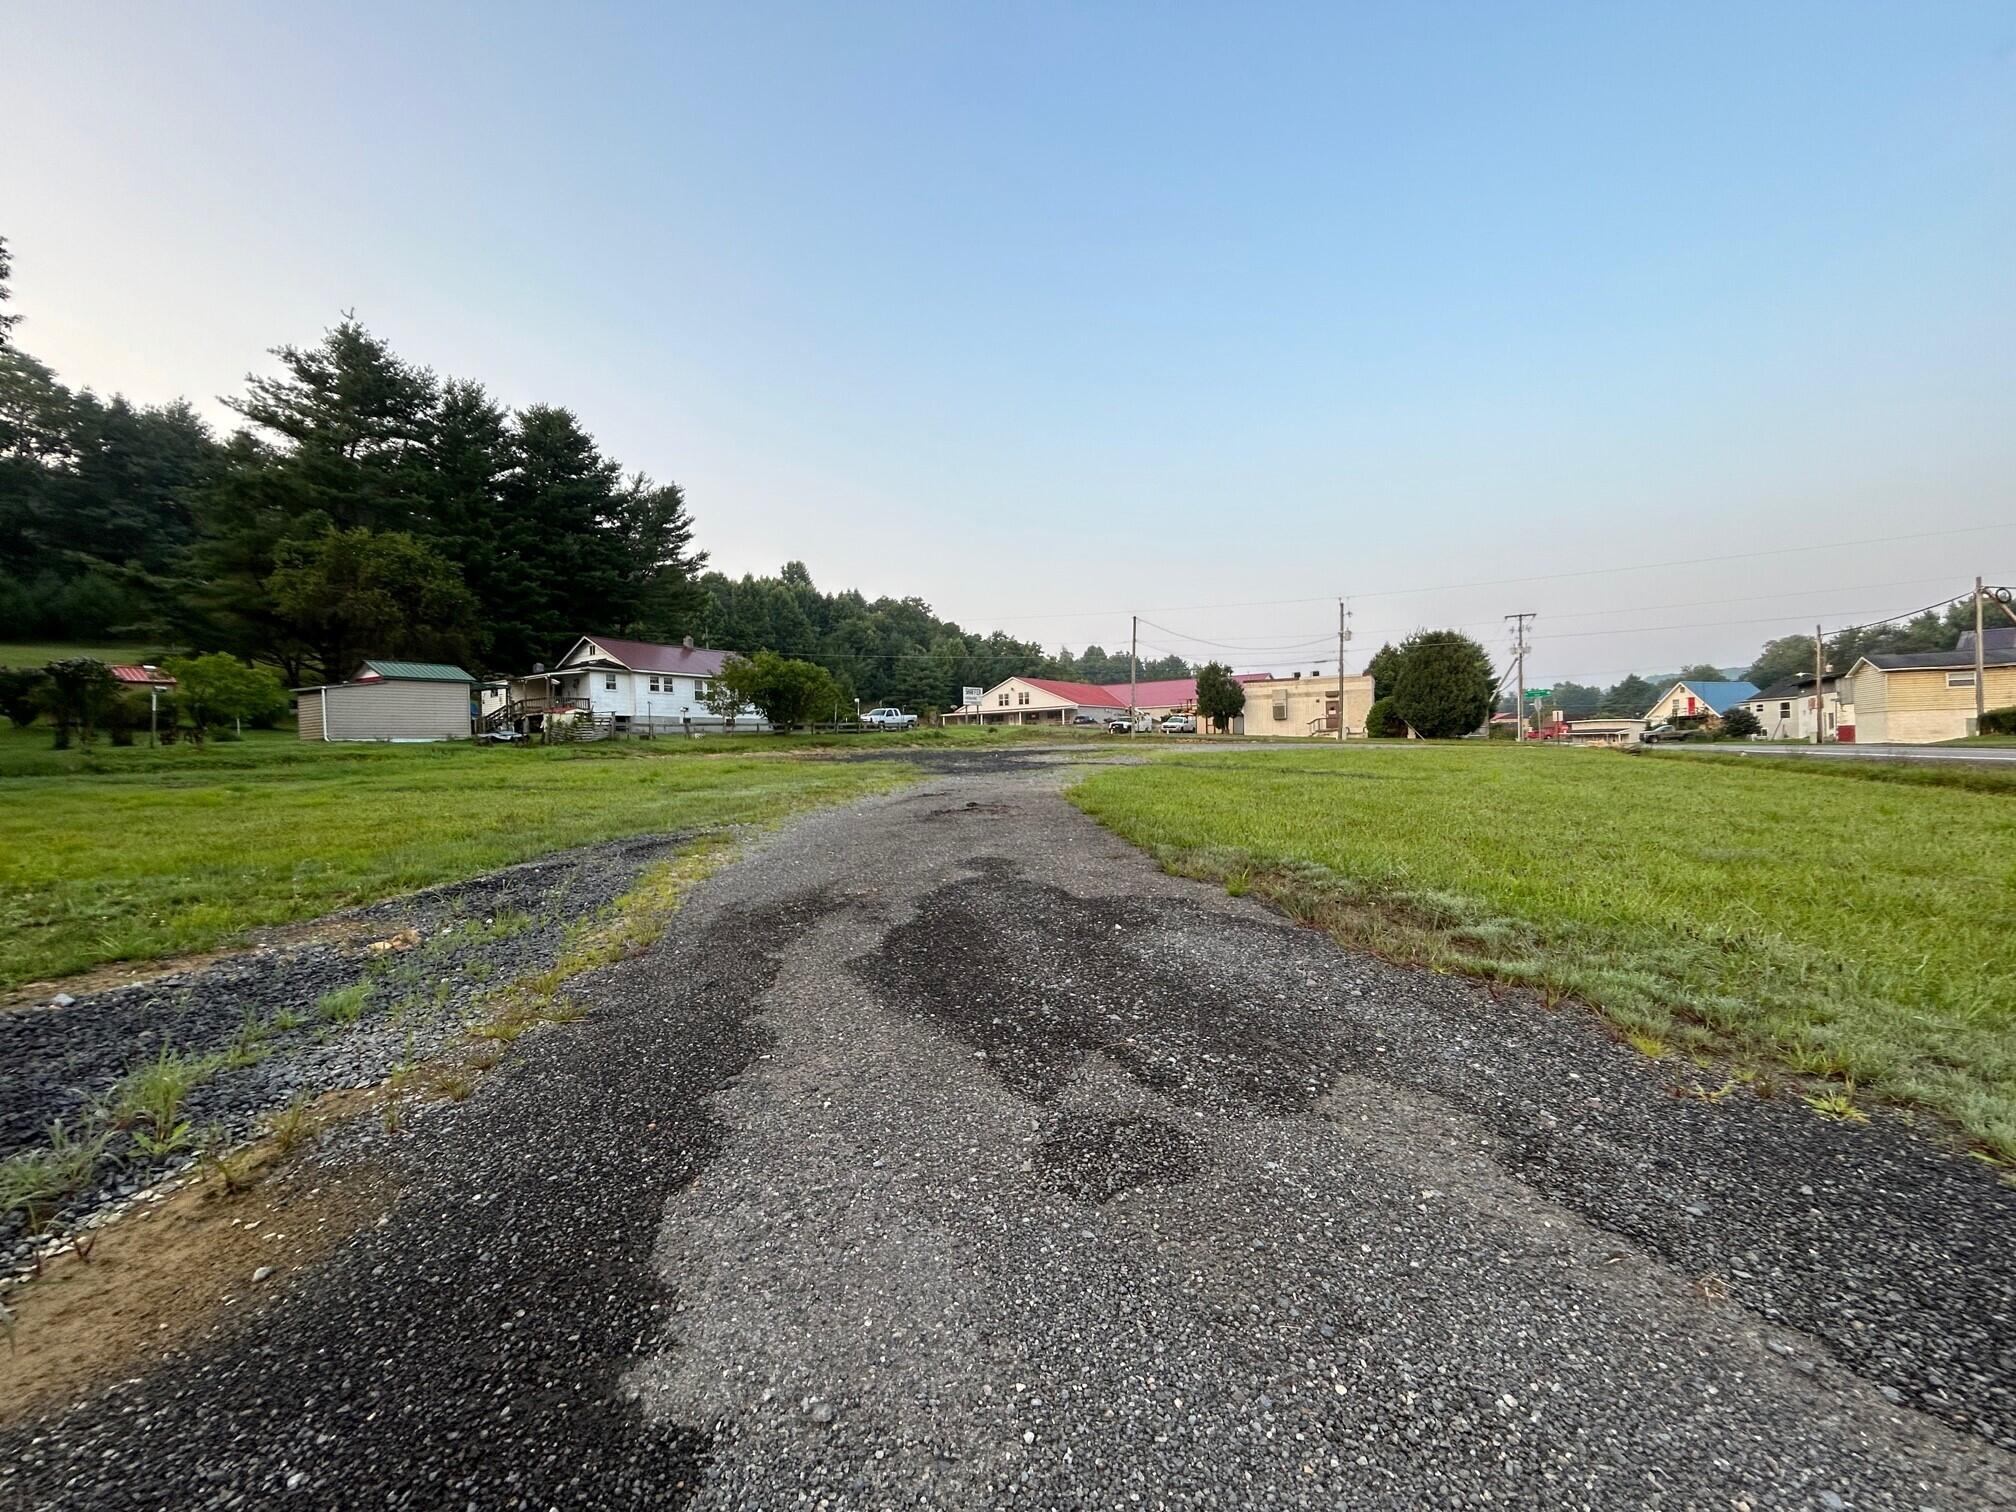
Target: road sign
x,y
1539,692
971,696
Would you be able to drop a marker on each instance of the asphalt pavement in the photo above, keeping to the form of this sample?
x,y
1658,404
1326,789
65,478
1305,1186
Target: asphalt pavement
x,y
1977,756
946,1153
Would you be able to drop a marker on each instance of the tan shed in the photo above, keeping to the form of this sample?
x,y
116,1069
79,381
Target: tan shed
x,y
390,700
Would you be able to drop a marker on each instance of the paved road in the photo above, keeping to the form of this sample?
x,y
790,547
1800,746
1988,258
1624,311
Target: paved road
x,y
949,1154
1981,756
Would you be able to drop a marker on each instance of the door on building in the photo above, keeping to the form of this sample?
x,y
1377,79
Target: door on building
x,y
1330,713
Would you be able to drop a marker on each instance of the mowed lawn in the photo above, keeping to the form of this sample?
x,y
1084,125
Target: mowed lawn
x,y
1834,924
162,852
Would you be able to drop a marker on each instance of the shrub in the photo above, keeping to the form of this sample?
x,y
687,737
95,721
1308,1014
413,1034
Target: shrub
x,y
1741,723
1445,684
21,694
1999,721
1382,723
125,714
76,693
216,690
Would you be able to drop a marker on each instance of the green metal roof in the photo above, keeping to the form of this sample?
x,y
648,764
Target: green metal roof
x,y
404,671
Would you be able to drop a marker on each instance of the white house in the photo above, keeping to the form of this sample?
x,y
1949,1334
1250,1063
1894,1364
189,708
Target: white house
x,y
636,685
1788,709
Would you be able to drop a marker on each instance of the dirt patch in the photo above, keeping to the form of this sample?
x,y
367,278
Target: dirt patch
x,y
166,1274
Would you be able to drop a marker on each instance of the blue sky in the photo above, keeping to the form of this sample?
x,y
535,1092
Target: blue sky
x,y
1051,314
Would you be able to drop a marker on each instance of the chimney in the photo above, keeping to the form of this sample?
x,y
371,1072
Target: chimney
x,y
687,642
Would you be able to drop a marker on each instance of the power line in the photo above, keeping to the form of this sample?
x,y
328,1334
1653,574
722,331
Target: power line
x,y
1544,577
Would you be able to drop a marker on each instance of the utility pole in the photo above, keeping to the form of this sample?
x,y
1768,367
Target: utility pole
x,y
1819,682
1519,689
1343,635
1133,674
1980,659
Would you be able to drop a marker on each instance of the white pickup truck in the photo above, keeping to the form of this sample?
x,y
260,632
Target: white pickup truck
x,y
888,719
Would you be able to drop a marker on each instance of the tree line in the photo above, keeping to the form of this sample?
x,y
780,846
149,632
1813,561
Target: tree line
x,y
369,507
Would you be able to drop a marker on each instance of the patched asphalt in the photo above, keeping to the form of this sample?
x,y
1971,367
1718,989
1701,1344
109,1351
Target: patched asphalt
x,y
947,1153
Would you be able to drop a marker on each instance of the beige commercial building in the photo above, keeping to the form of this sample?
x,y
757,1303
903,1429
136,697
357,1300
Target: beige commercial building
x,y
1305,706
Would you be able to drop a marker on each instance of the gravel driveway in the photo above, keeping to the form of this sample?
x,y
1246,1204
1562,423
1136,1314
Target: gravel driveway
x,y
946,1153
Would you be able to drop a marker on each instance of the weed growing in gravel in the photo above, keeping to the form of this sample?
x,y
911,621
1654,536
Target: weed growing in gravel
x,y
1837,1105
248,1045
454,1083
344,1005
35,1183
287,1021
232,1171
149,1098
1649,1045
504,1028
288,1127
504,924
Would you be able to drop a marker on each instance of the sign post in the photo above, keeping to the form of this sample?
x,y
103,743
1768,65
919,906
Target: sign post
x,y
972,698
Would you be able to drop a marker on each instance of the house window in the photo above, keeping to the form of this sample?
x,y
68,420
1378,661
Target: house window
x,y
699,688
609,682
1959,679
654,686
1021,697
1002,700
1785,710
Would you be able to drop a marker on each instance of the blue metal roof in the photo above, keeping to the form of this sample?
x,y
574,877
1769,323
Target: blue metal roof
x,y
1719,696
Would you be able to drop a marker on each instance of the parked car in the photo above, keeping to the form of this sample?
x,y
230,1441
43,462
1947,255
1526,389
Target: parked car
x,y
1661,733
1179,724
888,719
1087,719
1142,724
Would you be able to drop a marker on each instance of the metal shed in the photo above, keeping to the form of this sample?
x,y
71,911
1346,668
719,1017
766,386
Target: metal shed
x,y
390,700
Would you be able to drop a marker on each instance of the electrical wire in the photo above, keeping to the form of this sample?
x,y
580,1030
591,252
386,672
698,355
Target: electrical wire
x,y
1543,577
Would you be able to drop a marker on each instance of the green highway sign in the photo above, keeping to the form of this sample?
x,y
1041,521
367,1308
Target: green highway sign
x,y
1539,692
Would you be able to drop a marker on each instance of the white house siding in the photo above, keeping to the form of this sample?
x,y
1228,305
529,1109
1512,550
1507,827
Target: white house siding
x,y
1792,718
1019,702
389,710
677,701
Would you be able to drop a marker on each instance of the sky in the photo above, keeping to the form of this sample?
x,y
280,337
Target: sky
x,y
1679,326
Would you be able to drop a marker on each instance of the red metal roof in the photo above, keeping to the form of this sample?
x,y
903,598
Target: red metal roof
x,y
146,676
1157,693
1087,695
1154,695
643,656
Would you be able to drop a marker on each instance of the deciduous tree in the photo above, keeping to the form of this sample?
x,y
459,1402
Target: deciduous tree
x,y
1219,698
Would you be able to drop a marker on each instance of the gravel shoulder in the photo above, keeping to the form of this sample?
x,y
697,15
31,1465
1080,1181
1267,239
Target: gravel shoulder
x,y
946,1153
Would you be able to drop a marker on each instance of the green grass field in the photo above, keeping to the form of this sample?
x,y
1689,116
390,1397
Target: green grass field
x,y
130,854
39,654
31,753
1837,925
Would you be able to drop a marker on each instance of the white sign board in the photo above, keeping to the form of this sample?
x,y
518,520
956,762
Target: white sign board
x,y
971,696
